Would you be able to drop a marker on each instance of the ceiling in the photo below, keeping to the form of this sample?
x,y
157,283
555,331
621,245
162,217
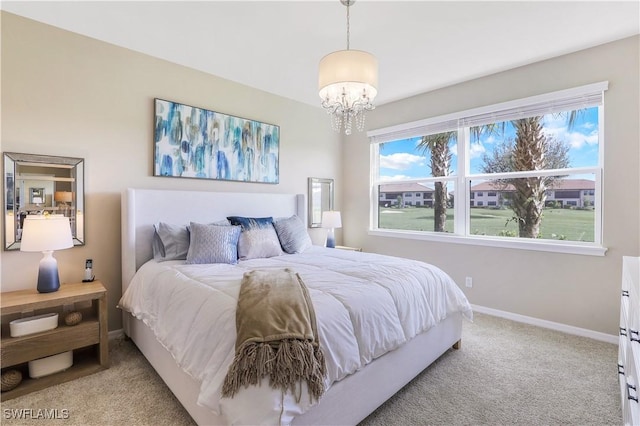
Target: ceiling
x,y
275,46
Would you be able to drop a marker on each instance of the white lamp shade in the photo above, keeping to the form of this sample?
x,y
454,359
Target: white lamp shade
x,y
353,70
46,233
331,219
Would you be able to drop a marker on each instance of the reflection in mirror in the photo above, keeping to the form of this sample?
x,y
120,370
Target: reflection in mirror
x,y
320,199
39,184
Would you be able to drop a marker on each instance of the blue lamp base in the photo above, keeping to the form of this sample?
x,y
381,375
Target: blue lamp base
x,y
331,239
48,278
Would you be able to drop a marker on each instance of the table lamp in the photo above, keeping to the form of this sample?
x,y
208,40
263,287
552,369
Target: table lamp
x,y
63,198
331,219
46,233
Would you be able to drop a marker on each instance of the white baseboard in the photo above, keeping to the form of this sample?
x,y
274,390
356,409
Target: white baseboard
x,y
569,329
115,334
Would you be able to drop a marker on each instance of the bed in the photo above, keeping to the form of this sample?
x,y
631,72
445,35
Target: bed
x,y
374,374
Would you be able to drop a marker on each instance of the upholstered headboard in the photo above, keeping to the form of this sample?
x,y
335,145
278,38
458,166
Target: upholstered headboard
x,y
142,208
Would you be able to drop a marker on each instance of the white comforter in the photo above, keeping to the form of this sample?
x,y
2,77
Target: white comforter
x,y
366,305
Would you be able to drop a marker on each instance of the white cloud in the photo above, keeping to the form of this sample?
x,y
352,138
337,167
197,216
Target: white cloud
x,y
556,126
400,161
476,150
489,139
576,140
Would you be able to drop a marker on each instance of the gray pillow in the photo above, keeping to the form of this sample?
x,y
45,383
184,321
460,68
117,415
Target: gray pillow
x,y
170,242
213,244
292,234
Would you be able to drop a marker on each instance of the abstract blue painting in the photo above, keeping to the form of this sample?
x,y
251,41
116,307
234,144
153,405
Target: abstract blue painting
x,y
198,143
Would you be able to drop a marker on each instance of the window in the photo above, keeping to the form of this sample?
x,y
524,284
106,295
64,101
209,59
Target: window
x,y
567,194
526,173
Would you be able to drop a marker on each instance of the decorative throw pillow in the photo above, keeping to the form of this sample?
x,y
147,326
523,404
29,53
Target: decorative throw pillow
x,y
213,244
258,237
170,242
293,235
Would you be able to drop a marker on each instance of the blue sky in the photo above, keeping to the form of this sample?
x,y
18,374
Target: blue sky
x,y
400,160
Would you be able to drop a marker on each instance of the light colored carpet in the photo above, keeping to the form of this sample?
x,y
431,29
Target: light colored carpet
x,y
510,373
506,373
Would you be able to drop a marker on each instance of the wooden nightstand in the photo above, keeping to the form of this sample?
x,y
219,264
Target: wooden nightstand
x,y
349,248
88,339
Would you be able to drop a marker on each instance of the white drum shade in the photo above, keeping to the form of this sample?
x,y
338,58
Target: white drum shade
x,y
354,70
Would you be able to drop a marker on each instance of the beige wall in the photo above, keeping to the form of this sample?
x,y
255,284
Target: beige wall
x,y
69,95
64,94
582,291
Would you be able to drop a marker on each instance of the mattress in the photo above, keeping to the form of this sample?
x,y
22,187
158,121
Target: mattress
x,y
366,305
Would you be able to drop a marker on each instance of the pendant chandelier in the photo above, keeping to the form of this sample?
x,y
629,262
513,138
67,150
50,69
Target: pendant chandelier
x,y
348,81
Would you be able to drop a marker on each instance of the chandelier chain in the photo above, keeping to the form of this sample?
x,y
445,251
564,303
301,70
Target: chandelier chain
x,y
348,26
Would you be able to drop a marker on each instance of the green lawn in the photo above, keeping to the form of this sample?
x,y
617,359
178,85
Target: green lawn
x,y
572,225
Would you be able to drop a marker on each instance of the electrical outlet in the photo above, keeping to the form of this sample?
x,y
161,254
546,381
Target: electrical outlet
x,y
468,282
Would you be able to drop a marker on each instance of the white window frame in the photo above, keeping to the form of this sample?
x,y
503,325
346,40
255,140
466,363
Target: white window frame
x,y
575,98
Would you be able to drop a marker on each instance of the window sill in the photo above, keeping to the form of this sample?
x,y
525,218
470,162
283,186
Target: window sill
x,y
585,249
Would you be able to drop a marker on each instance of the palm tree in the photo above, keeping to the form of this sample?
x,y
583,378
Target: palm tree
x,y
531,150
438,145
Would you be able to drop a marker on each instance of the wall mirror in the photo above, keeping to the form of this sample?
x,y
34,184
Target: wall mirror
x,y
320,199
35,184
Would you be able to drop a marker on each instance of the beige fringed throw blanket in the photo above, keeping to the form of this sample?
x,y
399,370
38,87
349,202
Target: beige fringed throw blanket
x,y
277,335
